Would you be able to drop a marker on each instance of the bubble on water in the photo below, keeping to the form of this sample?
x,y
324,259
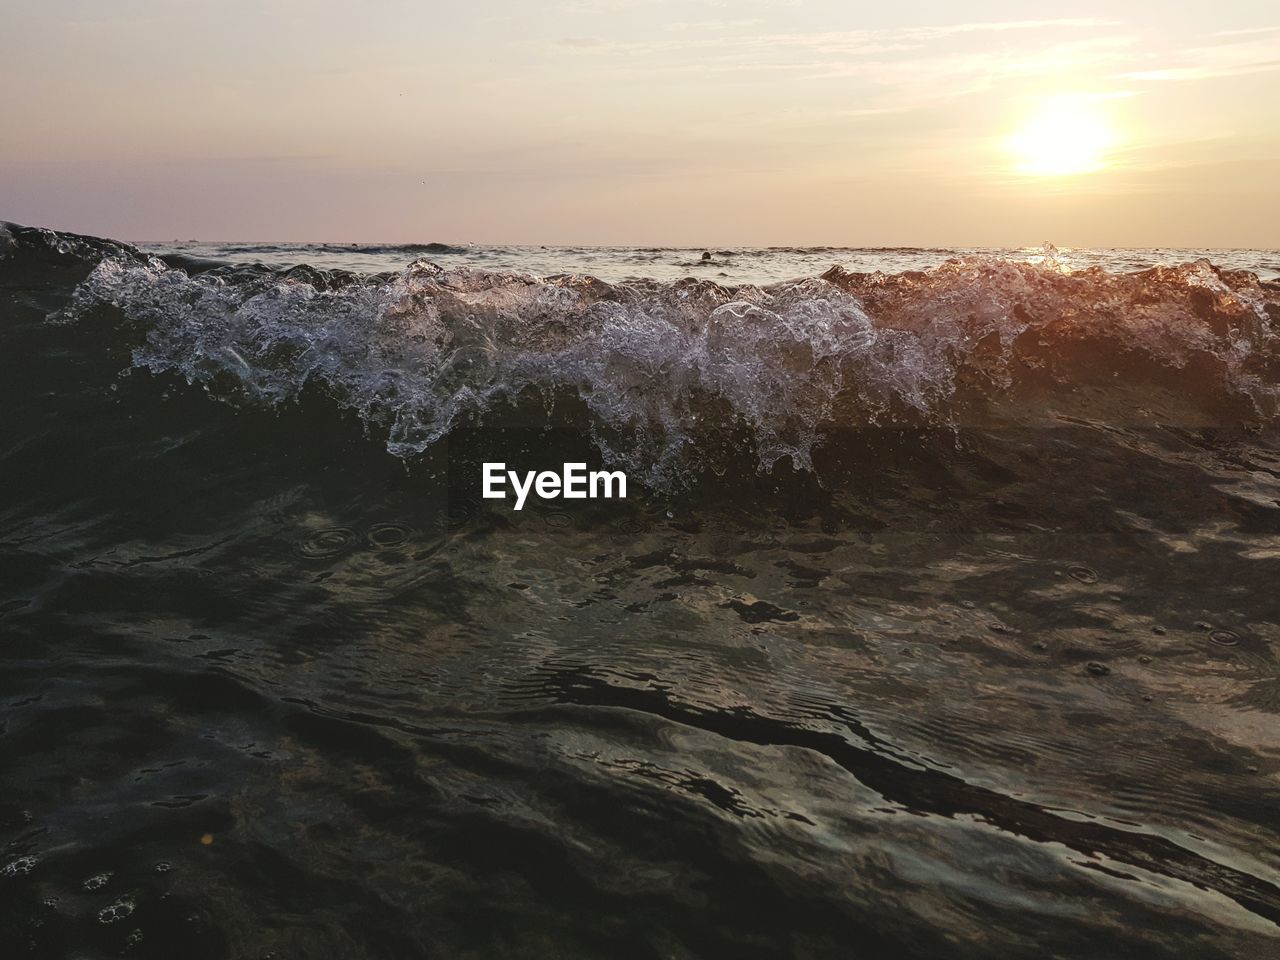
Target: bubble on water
x,y
1082,573
628,529
325,544
18,868
98,880
1095,669
163,866
388,534
460,513
556,519
117,911
1224,638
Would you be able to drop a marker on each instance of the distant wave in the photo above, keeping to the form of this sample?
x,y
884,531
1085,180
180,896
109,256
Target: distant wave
x,y
372,248
432,248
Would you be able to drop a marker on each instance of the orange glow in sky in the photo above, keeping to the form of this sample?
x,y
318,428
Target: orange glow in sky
x,y
694,122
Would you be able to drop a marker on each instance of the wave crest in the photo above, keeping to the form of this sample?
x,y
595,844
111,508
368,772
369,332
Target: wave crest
x,y
672,374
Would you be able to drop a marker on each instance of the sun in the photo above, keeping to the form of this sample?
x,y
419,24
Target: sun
x,y
1065,136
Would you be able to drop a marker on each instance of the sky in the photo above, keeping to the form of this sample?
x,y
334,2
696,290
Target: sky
x,y
689,122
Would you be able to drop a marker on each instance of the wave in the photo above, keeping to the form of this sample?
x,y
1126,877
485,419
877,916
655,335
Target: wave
x,y
669,378
403,248
257,249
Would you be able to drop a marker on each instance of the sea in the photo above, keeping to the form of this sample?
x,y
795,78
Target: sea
x,y
941,618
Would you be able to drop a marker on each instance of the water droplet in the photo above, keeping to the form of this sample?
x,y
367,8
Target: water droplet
x,y
327,543
627,529
387,534
116,911
460,513
1082,573
18,868
1224,638
98,880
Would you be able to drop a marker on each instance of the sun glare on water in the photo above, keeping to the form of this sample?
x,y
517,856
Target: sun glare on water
x,y
1066,136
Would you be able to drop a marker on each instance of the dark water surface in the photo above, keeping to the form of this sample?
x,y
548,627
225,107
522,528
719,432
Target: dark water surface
x,y
948,634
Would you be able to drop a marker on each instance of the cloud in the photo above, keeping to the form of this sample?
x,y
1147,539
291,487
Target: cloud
x,y
1203,73
707,26
1258,54
910,66
947,30
766,50
1245,32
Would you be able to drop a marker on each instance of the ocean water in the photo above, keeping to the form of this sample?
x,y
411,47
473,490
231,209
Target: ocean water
x,y
941,618
739,265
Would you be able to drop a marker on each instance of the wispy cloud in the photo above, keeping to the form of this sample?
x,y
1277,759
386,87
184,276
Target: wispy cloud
x,y
1259,54
581,43
970,72
708,26
1204,73
615,6
946,30
842,42
1246,31
910,66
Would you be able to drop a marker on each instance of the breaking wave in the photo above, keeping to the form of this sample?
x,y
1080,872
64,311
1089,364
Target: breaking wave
x,y
668,377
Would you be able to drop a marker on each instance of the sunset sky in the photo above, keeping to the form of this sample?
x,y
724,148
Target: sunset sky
x,y
645,121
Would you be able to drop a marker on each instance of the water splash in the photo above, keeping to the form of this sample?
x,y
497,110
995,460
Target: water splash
x,y
673,374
